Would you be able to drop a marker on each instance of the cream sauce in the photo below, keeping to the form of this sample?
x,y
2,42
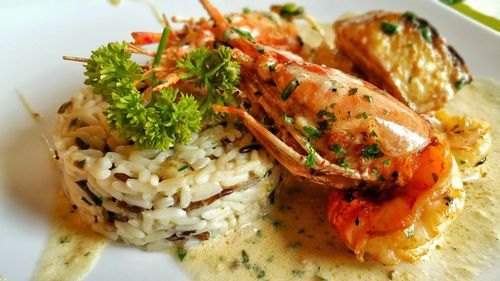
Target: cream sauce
x,y
72,247
294,241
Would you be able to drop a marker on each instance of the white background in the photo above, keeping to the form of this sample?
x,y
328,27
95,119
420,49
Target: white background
x,y
34,35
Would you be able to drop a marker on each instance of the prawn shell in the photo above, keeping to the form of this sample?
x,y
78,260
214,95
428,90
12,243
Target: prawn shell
x,y
370,221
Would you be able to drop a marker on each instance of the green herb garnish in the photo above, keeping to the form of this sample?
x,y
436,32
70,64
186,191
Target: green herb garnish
x,y
369,98
312,132
170,117
389,28
215,70
372,151
460,83
409,16
310,158
272,67
337,149
408,232
290,10
243,33
183,168
353,91
288,119
181,254
111,70
426,33
288,90
343,162
244,257
298,272
159,52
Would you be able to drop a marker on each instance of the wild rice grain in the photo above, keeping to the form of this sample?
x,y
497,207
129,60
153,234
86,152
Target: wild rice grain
x,y
250,147
82,143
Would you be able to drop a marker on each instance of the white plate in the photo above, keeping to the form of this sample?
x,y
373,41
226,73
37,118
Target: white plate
x,y
35,34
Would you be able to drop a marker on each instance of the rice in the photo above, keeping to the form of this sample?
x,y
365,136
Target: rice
x,y
219,181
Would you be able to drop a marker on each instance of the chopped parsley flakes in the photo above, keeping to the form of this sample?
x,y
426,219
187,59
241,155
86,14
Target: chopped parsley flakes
x,y
389,28
372,151
288,90
337,149
311,132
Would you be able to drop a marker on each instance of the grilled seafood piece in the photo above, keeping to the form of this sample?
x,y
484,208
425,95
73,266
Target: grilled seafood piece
x,y
347,127
401,224
404,55
469,140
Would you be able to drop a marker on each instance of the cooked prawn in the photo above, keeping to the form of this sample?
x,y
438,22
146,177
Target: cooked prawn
x,y
266,28
401,224
347,128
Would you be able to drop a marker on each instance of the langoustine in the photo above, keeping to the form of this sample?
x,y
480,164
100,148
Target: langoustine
x,y
267,28
347,127
400,222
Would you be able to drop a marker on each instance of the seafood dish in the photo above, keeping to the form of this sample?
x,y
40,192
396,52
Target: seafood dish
x,y
198,141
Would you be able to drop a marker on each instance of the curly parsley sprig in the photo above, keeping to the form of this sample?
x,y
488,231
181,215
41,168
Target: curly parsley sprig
x,y
111,70
215,70
171,117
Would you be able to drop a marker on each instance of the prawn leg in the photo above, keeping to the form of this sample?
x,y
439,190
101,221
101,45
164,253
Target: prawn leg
x,y
353,127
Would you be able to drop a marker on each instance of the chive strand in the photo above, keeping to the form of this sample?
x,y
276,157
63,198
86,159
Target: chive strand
x,y
156,61
161,46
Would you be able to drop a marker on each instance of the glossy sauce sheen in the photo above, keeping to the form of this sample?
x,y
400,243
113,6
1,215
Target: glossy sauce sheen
x,y
294,240
72,248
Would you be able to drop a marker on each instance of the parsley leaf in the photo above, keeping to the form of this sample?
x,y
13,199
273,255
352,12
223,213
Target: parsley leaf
x,y
288,119
389,28
215,70
312,132
372,151
337,149
289,10
170,118
310,156
243,33
289,88
111,70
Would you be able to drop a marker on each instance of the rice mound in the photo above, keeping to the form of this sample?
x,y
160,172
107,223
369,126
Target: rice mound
x,y
219,181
